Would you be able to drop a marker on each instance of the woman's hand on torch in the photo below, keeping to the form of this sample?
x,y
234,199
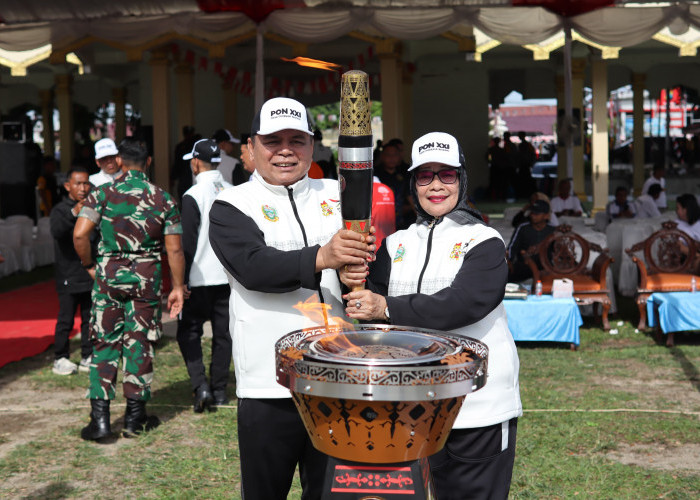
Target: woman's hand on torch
x,y
353,276
345,248
365,305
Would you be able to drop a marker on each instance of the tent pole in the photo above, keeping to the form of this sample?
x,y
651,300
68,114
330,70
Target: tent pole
x,y
259,70
568,111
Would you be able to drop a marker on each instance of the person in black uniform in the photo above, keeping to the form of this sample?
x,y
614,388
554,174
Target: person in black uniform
x,y
528,234
73,283
206,281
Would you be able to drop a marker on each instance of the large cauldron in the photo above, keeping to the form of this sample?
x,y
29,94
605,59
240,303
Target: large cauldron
x,y
379,393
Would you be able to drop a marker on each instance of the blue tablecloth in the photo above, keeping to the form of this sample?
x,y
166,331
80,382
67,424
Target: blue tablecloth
x,y
544,318
678,311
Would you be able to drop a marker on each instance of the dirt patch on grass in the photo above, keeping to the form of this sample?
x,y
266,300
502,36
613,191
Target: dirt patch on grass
x,y
668,458
27,415
682,393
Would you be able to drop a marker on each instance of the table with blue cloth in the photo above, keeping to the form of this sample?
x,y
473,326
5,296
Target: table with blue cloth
x,y
674,312
544,318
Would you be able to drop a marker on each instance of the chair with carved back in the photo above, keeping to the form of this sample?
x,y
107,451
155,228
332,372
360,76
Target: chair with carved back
x,y
565,254
668,264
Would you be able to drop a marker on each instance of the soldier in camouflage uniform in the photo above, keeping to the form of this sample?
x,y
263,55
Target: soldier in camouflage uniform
x,y
136,220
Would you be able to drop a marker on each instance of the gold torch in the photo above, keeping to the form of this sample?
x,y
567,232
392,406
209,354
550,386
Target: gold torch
x,y
355,173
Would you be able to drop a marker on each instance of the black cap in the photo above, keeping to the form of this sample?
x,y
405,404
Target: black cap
x,y
206,150
223,134
540,207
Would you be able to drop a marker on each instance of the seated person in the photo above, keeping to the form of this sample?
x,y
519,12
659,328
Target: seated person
x,y
565,204
645,204
526,235
688,213
657,177
620,208
524,214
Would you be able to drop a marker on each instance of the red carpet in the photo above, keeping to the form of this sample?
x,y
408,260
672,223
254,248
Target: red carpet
x,y
27,321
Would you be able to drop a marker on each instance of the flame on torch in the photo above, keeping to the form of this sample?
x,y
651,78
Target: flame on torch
x,y
313,63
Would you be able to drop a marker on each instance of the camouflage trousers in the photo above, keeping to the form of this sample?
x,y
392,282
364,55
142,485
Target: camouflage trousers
x,y
124,326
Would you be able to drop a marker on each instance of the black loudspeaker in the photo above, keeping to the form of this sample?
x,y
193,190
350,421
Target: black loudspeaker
x,y
12,132
20,165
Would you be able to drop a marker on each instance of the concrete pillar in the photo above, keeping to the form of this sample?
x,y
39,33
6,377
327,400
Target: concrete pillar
x,y
230,109
407,109
119,99
46,97
160,91
185,95
64,103
599,143
389,68
638,81
578,67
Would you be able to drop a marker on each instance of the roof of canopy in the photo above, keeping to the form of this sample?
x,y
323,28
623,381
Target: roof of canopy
x,y
30,24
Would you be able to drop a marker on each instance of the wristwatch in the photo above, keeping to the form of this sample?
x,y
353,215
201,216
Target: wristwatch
x,y
386,313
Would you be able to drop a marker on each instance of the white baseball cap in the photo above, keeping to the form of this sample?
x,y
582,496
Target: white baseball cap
x,y
435,147
105,147
281,113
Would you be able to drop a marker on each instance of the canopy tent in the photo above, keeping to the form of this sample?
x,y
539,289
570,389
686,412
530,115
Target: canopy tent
x,y
230,33
29,24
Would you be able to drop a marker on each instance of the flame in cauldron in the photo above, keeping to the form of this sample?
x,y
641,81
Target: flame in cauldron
x,y
318,312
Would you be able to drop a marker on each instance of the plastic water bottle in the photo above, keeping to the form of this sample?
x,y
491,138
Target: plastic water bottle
x,y
538,288
692,284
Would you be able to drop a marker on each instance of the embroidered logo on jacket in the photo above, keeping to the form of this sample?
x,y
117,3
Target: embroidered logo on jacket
x,y
270,213
459,250
399,253
326,209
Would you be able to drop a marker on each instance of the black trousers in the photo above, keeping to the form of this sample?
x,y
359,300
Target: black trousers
x,y
476,463
272,440
206,303
68,304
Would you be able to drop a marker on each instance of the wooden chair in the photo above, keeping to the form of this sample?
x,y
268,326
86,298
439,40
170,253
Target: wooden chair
x,y
668,264
565,254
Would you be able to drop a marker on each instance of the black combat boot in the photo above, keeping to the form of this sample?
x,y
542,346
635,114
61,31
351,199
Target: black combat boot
x,y
203,398
135,419
99,427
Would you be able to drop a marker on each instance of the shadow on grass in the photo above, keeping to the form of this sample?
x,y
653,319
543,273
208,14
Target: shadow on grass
x,y
688,367
52,491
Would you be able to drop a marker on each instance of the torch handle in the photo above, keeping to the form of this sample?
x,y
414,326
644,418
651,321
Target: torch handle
x,y
355,173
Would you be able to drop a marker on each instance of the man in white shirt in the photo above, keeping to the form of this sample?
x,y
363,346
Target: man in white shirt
x,y
620,208
206,281
106,158
565,204
646,204
229,166
657,177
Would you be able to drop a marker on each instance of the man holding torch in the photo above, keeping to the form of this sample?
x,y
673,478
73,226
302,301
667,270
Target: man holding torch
x,y
280,240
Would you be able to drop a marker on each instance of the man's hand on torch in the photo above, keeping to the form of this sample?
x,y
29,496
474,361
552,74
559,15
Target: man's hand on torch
x,y
345,248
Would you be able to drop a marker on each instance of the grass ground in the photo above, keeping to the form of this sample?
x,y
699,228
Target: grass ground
x,y
618,418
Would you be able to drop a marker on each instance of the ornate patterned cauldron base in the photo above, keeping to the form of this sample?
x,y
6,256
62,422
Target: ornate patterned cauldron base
x,y
379,393
377,431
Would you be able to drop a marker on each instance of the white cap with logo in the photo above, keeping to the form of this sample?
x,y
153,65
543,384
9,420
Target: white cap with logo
x,y
281,113
105,147
435,147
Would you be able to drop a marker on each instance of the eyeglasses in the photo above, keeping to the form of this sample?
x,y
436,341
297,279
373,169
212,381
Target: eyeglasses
x,y
446,176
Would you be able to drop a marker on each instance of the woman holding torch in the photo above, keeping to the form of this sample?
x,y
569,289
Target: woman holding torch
x,y
448,272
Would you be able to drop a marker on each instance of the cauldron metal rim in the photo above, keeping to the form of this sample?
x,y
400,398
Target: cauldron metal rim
x,y
381,382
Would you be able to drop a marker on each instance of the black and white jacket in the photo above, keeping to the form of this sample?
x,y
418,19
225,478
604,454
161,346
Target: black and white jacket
x,y
267,238
202,268
450,276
